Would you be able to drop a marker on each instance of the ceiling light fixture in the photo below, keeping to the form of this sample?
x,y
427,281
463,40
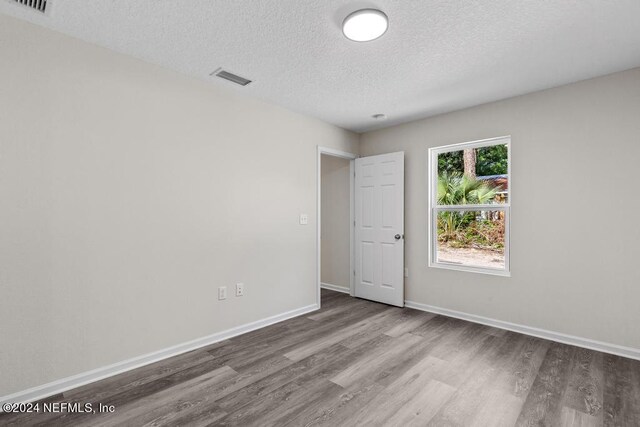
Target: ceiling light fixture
x,y
365,25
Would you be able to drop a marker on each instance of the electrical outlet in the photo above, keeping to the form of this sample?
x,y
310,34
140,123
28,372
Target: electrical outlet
x,y
406,272
304,219
222,292
239,289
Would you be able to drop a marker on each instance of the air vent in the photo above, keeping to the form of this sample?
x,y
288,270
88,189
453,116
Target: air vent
x,y
231,77
38,5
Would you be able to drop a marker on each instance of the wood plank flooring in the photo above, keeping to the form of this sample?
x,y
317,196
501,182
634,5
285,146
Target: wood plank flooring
x,y
356,362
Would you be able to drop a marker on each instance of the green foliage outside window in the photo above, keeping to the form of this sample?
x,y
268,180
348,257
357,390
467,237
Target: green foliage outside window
x,y
471,228
464,228
489,161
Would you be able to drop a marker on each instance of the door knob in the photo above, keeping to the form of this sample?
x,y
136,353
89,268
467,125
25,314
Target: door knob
x,y
397,236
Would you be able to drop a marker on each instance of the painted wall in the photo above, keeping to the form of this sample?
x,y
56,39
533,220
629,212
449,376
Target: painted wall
x,y
128,194
574,235
335,217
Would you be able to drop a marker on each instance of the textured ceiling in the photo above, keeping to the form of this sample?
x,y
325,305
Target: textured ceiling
x,y
437,56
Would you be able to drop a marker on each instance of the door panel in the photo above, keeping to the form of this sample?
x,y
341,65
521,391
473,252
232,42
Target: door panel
x,y
379,213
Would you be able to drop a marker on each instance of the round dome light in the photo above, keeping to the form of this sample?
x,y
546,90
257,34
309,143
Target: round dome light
x,y
365,25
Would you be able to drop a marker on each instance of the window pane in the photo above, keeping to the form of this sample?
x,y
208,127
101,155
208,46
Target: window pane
x,y
473,176
471,238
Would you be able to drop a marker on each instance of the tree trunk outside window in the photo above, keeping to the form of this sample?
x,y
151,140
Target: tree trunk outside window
x,y
469,157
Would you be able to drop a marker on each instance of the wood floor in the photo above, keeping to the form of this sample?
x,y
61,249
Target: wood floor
x,y
356,362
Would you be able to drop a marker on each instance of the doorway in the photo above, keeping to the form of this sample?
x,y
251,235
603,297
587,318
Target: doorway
x,y
335,221
360,249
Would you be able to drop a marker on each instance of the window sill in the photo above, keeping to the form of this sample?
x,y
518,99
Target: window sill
x,y
469,269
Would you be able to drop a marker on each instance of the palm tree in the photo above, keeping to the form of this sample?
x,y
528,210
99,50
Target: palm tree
x,y
457,189
460,189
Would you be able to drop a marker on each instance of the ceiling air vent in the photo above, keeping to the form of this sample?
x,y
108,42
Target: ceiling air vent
x,y
38,5
231,77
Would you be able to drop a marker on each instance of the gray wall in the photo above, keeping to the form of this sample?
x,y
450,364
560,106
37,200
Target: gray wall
x,y
574,234
128,194
335,217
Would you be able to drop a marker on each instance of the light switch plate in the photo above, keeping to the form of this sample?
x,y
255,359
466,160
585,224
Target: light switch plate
x,y
304,219
222,292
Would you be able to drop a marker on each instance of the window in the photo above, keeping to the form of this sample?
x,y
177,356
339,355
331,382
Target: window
x,y
470,206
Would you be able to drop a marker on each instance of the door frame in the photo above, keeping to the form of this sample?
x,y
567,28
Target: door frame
x,y
351,157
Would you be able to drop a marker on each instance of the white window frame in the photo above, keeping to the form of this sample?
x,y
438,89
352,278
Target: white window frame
x,y
434,208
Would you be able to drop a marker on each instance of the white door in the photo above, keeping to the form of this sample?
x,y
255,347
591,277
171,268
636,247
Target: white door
x,y
379,228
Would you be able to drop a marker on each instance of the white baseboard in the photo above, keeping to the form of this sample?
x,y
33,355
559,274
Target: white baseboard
x,y
59,386
335,288
631,353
